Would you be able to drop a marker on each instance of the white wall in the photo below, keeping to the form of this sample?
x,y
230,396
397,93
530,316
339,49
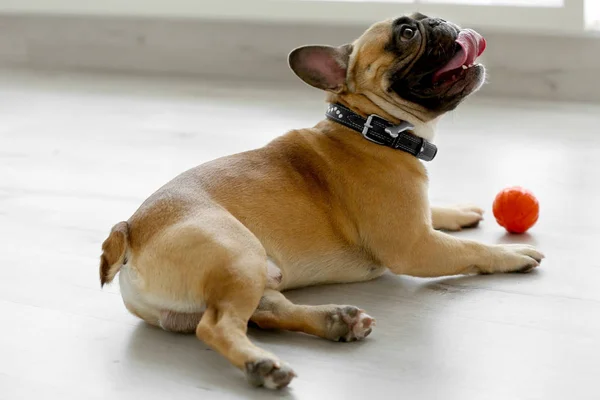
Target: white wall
x,y
500,18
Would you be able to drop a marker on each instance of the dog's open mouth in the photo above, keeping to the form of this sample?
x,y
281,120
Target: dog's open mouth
x,y
470,46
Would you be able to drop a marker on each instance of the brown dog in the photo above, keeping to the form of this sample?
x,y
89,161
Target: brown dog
x,y
216,246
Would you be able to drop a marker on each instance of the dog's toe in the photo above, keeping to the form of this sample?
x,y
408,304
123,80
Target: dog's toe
x,y
348,324
468,217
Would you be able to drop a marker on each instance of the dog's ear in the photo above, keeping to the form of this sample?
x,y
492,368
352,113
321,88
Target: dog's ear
x,y
323,67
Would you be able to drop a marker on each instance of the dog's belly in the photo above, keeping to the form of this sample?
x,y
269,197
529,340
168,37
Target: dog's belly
x,y
325,270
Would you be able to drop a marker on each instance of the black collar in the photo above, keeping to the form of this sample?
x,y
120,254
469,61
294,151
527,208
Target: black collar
x,y
380,131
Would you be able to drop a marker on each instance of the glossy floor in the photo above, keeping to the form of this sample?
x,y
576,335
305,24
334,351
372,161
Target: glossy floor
x,y
79,153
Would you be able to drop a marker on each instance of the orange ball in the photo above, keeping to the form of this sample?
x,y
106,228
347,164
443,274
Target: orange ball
x,y
516,209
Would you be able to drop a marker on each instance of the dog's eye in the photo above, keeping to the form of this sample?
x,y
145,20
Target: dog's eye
x,y
407,32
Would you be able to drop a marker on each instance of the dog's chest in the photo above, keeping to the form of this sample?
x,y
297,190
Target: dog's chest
x,y
369,228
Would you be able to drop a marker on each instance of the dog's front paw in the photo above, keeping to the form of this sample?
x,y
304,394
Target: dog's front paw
x,y
348,324
517,258
271,374
456,218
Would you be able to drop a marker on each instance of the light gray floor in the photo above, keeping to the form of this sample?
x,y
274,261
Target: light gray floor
x,y
79,153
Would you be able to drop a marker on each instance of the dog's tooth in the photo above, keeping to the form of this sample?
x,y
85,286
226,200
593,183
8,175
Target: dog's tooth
x,y
464,67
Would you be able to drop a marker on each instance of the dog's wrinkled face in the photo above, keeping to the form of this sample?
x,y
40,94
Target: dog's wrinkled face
x,y
441,57
408,61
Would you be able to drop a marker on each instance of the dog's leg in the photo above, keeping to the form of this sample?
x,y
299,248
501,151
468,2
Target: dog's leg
x,y
232,295
338,323
438,254
455,218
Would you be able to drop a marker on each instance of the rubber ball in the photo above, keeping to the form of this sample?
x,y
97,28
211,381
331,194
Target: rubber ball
x,y
516,209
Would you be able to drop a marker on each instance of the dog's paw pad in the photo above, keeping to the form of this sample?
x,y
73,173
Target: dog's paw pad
x,y
269,373
348,324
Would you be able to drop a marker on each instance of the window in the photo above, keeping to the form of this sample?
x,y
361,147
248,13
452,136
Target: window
x,y
592,14
529,3
532,3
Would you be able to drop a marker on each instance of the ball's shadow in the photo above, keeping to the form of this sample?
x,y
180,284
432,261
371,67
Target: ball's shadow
x,y
522,238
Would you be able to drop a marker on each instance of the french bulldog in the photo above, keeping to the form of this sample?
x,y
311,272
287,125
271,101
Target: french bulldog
x,y
342,201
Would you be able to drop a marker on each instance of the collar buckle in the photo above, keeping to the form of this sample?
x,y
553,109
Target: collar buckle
x,y
368,125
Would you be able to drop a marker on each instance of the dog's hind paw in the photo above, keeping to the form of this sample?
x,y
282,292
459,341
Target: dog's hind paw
x,y
271,374
348,324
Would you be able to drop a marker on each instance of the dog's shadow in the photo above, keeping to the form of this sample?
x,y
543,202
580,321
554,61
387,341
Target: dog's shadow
x,y
182,366
187,364
405,309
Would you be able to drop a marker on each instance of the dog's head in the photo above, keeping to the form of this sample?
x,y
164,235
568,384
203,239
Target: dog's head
x,y
413,63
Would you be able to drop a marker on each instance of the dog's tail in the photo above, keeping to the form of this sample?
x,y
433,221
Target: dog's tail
x,y
113,252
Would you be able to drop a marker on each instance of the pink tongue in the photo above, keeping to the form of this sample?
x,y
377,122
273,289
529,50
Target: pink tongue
x,y
472,45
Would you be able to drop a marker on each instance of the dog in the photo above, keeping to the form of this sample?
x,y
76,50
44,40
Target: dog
x,y
343,201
